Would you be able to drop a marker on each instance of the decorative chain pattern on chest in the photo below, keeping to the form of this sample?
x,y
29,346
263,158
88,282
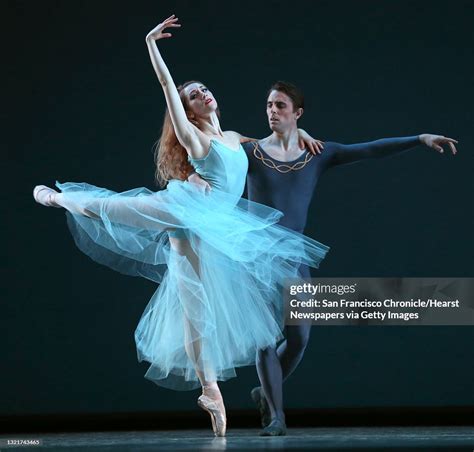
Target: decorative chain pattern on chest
x,y
282,168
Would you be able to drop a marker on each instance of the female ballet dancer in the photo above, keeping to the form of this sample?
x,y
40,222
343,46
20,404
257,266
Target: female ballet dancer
x,y
219,266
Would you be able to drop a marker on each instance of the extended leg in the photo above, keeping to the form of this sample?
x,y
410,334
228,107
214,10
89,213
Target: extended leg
x,y
145,212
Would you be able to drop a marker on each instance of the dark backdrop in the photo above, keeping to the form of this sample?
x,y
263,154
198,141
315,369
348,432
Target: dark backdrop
x,y
83,104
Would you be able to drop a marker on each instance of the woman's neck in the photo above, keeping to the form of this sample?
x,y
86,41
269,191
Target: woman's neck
x,y
210,126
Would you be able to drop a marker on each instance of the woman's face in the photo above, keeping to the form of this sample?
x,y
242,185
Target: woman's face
x,y
199,100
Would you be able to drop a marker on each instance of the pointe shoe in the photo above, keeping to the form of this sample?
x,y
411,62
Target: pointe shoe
x,y
217,415
259,398
276,427
44,195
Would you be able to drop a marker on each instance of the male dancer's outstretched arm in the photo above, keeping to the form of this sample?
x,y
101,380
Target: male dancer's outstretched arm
x,y
337,154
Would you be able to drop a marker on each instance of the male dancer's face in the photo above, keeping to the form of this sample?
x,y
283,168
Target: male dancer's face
x,y
280,112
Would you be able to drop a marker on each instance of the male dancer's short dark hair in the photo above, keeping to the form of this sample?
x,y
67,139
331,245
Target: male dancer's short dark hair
x,y
294,93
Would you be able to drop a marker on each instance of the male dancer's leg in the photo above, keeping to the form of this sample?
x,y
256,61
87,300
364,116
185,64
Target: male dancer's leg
x,y
276,365
291,350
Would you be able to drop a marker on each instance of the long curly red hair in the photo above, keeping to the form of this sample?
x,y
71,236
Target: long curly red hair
x,y
171,159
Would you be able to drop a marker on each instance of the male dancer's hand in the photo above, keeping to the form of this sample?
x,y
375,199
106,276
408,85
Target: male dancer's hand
x,y
438,141
199,182
305,140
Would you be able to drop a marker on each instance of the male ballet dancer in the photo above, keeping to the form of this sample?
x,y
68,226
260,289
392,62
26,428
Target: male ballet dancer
x,y
284,177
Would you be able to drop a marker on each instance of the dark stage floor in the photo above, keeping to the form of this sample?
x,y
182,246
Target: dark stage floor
x,y
327,438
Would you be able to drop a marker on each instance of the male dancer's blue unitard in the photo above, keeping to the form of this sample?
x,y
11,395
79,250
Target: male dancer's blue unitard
x,y
284,177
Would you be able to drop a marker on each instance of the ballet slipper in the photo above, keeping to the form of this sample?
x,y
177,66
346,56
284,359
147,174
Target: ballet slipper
x,y
276,427
258,397
216,410
45,196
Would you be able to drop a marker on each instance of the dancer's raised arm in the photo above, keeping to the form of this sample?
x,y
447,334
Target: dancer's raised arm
x,y
186,132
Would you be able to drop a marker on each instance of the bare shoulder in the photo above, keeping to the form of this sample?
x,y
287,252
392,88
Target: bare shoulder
x,y
231,135
231,138
241,138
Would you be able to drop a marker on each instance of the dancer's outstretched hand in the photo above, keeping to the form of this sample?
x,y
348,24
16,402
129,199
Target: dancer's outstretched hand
x,y
305,140
438,141
157,32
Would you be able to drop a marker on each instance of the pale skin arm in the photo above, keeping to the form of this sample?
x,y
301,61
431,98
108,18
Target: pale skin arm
x,y
306,140
188,135
199,182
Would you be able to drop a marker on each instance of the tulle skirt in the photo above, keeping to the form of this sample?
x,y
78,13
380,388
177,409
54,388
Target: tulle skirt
x,y
220,261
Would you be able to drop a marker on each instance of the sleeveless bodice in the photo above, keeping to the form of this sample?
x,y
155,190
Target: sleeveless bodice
x,y
224,168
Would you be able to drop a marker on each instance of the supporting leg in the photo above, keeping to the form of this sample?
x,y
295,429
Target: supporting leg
x,y
211,398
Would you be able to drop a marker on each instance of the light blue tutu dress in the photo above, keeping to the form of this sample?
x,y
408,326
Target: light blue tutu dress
x,y
219,294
